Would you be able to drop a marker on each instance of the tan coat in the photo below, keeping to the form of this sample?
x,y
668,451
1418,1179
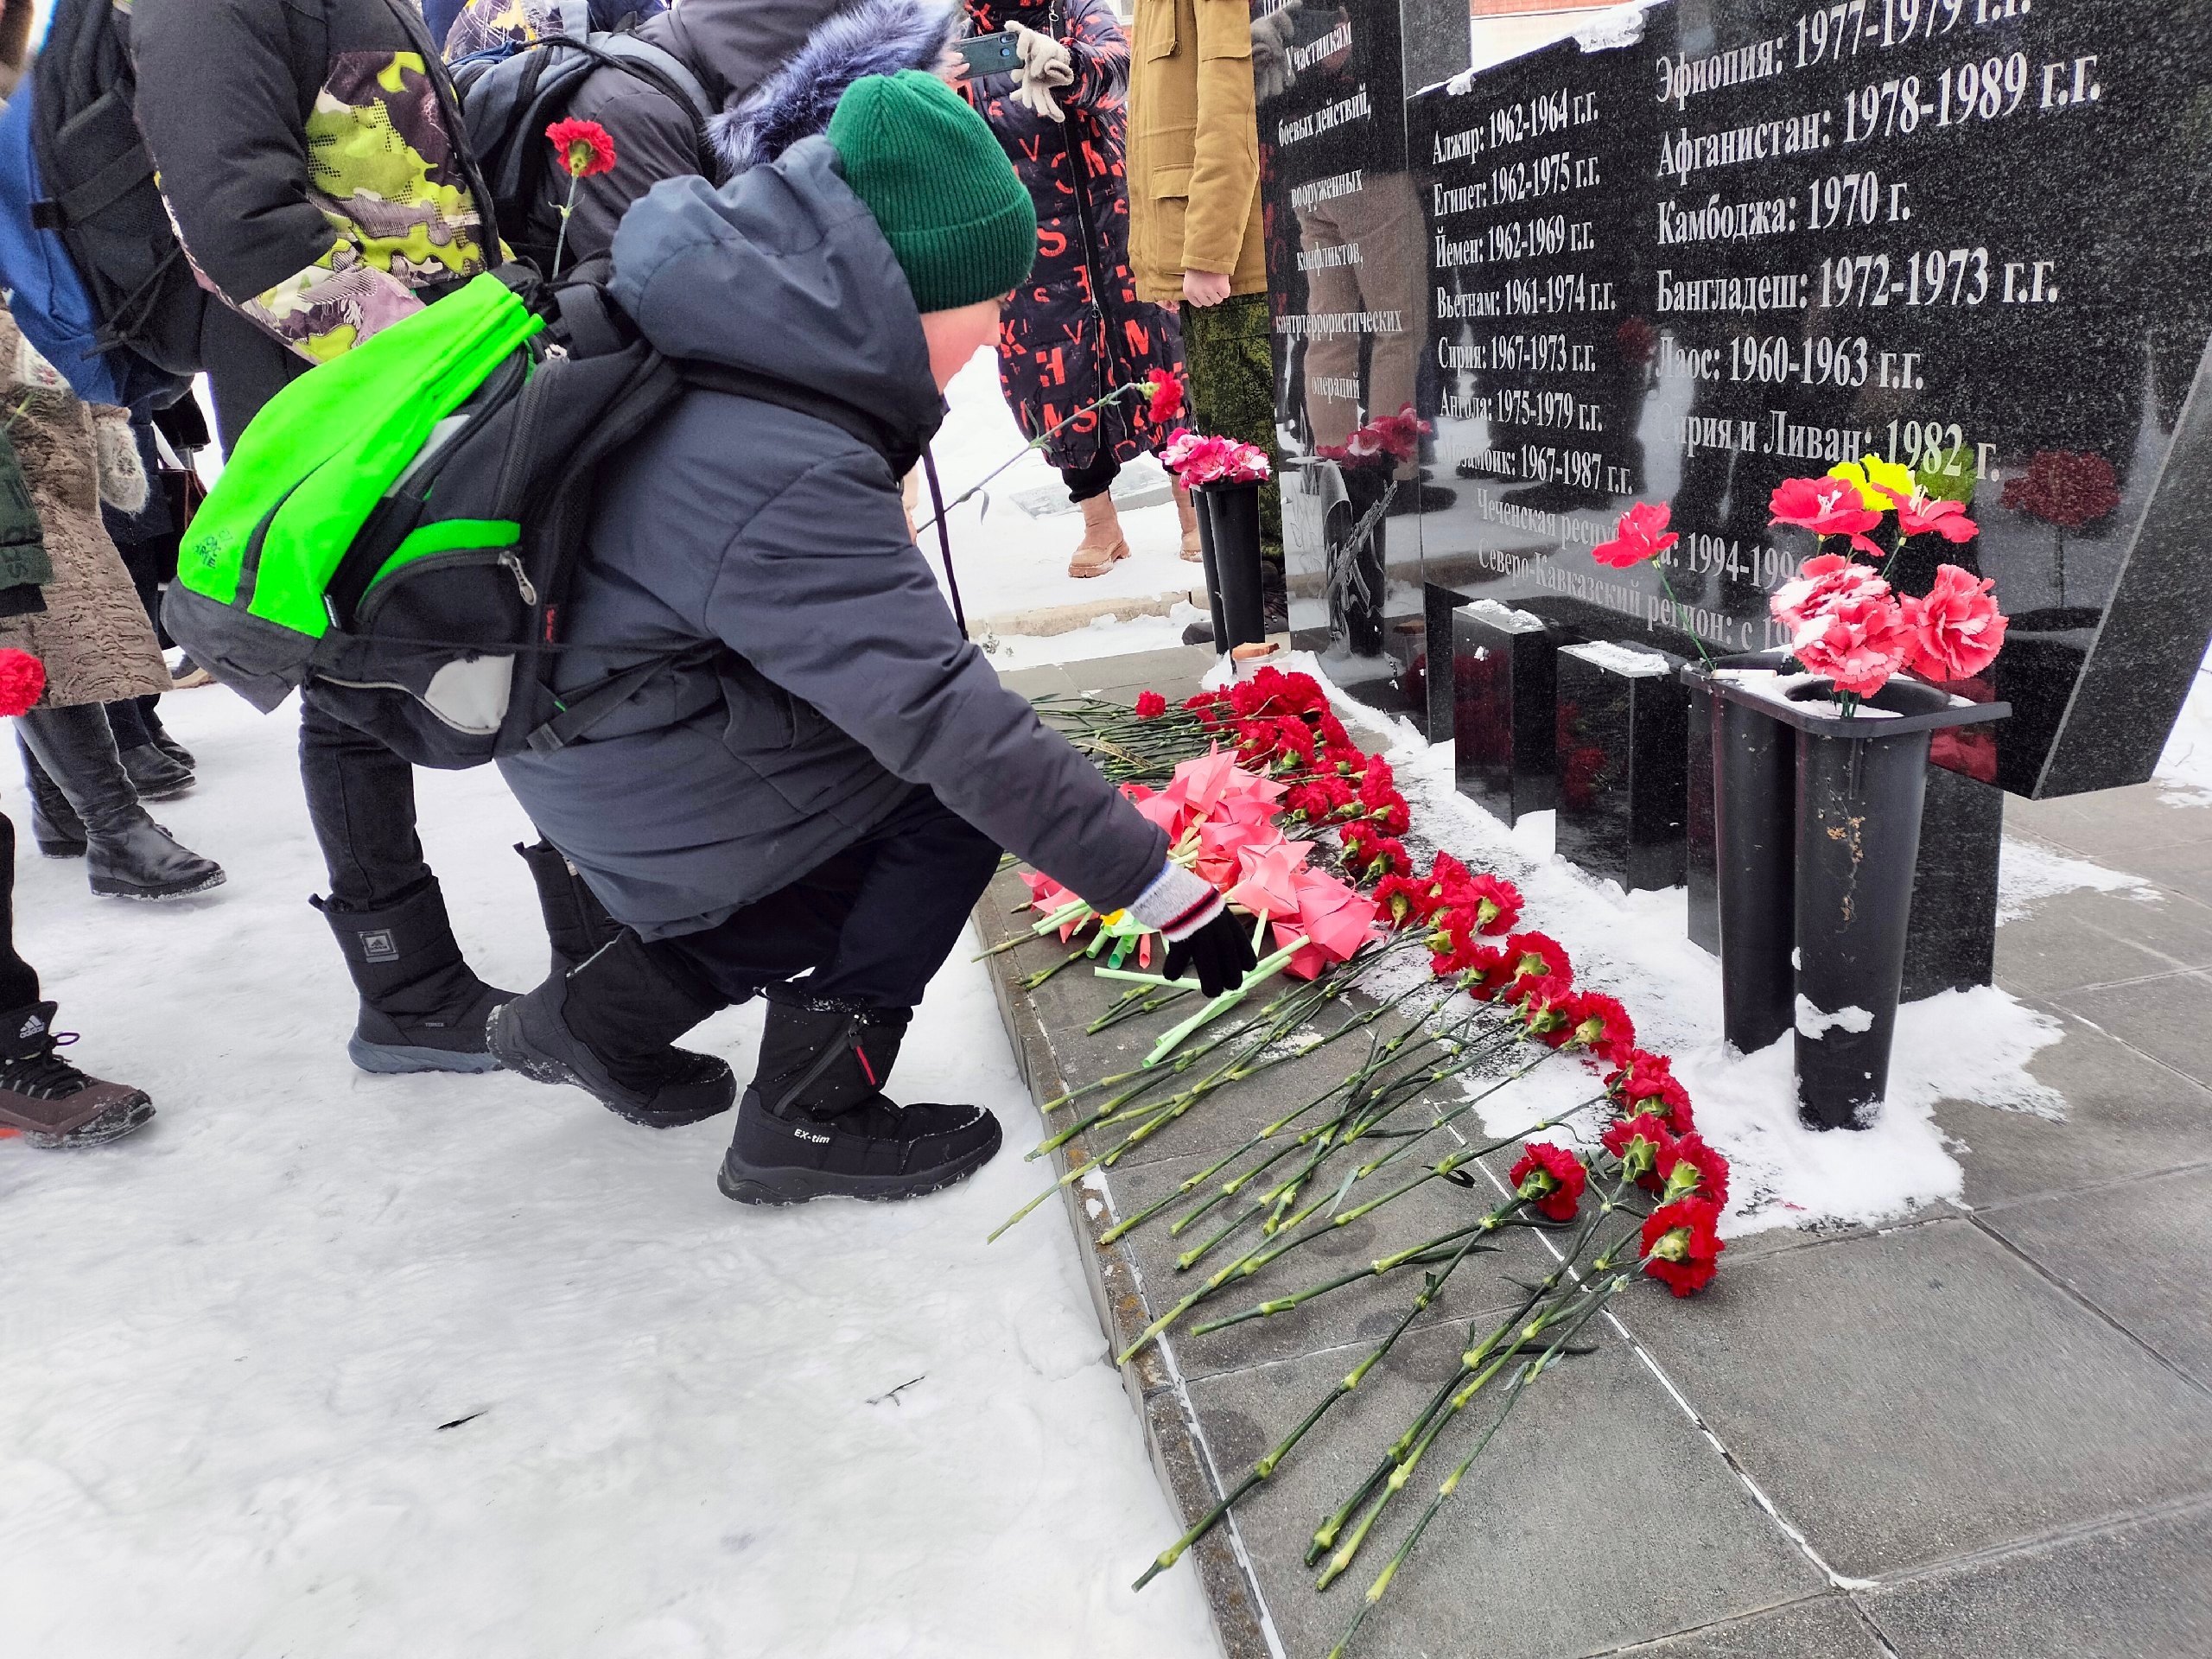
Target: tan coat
x,y
93,636
1194,148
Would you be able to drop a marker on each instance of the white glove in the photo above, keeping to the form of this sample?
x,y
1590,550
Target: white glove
x,y
1271,71
115,450
1045,63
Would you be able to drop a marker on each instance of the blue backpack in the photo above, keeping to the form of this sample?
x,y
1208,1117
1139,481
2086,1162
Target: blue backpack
x,y
99,282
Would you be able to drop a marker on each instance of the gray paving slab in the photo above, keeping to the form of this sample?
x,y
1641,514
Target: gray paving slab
x,y
1826,1627
1919,1395
1597,1516
2169,1019
2141,1591
2125,1116
2074,940
2111,825
2142,1253
1036,682
1175,671
2186,868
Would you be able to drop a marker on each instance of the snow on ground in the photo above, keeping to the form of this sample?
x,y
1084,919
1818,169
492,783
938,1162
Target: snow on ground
x,y
1007,562
334,1365
2185,768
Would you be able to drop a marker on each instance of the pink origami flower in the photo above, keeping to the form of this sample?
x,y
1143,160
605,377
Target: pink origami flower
x,y
1268,877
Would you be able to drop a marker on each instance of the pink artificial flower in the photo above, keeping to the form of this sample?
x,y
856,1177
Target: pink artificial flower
x,y
1918,515
1826,506
1823,581
1956,630
1858,643
1640,535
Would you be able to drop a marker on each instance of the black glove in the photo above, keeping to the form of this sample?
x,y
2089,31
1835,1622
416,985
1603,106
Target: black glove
x,y
1221,951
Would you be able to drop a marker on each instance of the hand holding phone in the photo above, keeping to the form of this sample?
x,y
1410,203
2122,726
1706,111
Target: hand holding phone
x,y
989,55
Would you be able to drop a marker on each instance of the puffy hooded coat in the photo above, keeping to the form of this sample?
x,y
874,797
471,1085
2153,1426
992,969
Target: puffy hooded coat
x,y
1077,328
777,540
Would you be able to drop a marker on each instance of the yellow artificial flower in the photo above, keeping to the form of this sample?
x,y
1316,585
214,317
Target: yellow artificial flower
x,y
1871,475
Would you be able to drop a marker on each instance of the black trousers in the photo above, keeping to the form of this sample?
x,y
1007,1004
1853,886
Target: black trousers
x,y
1084,482
361,801
871,925
18,979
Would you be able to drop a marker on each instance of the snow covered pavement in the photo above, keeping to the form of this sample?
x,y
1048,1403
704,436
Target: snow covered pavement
x,y
333,1365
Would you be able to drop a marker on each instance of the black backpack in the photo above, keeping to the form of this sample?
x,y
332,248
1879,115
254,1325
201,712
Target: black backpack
x,y
510,95
445,611
100,200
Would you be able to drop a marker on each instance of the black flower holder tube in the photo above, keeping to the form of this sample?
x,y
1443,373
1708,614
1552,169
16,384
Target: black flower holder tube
x,y
1859,781
1228,521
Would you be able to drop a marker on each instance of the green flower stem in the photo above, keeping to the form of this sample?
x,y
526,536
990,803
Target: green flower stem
x,y
1475,1354
1432,1286
1379,1265
1530,1370
1267,967
1037,442
1681,615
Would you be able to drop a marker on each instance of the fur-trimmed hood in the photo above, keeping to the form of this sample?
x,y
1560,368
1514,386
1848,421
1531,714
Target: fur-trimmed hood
x,y
872,37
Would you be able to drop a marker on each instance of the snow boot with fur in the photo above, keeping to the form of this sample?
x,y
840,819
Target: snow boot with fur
x,y
816,1123
1103,543
1186,512
50,1102
422,1009
607,1027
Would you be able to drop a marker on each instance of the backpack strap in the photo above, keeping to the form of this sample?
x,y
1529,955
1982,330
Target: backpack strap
x,y
584,709
848,418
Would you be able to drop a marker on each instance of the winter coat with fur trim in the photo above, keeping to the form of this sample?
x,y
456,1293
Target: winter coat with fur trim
x,y
732,46
1077,328
839,681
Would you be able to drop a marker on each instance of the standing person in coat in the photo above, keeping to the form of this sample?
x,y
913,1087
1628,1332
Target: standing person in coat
x,y
311,156
1195,234
812,811
1078,327
92,634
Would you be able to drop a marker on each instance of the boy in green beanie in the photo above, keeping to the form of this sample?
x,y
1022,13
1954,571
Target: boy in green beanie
x,y
809,798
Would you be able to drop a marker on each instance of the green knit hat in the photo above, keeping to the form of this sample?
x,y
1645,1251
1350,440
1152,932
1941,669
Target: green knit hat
x,y
942,190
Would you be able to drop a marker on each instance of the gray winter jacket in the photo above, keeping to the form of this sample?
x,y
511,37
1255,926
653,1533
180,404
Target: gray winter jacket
x,y
839,680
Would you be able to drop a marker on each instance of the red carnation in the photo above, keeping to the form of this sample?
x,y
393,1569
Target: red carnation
x,y
1602,1026
1538,953
1551,1178
22,681
1641,534
1690,1168
1405,899
1639,1142
1490,969
1645,1082
1681,1245
1550,1006
584,146
1151,705
1497,902
1163,396
1826,506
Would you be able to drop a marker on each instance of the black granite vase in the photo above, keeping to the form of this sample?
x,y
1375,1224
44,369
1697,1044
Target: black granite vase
x,y
1355,562
1211,565
1860,783
1232,513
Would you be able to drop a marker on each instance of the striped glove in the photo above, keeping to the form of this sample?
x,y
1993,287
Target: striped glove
x,y
1201,934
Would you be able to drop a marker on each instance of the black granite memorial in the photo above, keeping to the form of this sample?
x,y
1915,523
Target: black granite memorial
x,y
1621,737
1503,680
1693,249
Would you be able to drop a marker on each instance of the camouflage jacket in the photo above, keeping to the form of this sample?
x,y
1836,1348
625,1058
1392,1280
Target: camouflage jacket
x,y
310,153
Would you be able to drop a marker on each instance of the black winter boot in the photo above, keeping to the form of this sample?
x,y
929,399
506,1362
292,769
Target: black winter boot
x,y
158,734
153,775
816,1123
576,923
54,824
607,1027
422,1010
127,855
50,1102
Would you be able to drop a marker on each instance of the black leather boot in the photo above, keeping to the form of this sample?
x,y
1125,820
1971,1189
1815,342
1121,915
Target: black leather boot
x,y
156,775
54,824
576,923
816,1123
158,734
127,854
422,1010
607,1027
